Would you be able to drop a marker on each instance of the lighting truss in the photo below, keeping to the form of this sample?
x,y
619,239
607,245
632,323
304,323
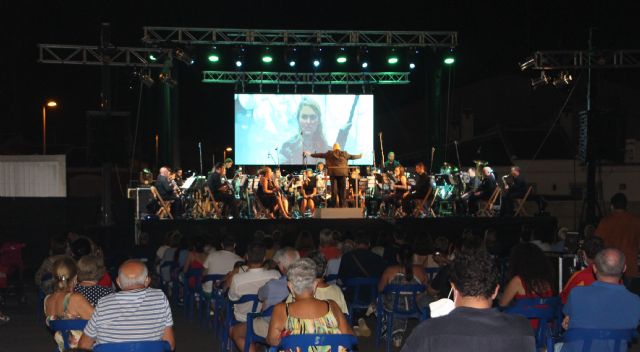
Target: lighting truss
x,y
220,36
579,59
93,55
306,78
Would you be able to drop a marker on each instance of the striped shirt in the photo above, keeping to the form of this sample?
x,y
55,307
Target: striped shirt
x,y
136,315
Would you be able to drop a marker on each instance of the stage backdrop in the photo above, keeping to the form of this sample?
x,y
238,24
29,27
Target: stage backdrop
x,y
33,176
276,128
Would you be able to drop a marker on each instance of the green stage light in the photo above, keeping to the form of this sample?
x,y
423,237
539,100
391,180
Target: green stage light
x,y
392,60
152,57
267,59
341,59
449,60
214,58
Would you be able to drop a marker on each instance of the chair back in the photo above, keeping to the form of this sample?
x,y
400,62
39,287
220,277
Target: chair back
x,y
619,337
544,309
135,346
358,285
410,291
196,274
333,278
304,342
244,299
212,278
431,272
64,326
156,194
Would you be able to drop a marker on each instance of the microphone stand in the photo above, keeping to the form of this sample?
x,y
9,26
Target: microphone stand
x,y
304,156
200,151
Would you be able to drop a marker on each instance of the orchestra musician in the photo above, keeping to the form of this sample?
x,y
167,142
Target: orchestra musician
x,y
337,160
484,191
419,191
514,188
229,170
270,194
400,187
391,163
168,190
320,168
308,192
222,190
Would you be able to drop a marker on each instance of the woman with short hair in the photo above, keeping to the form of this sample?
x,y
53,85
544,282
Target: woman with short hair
x,y
90,270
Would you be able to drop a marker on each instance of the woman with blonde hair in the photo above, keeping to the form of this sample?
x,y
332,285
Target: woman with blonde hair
x,y
63,303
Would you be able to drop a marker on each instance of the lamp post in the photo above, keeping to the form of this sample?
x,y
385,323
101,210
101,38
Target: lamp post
x,y
227,149
50,104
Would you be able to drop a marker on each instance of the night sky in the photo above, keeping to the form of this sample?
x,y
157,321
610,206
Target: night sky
x,y
486,77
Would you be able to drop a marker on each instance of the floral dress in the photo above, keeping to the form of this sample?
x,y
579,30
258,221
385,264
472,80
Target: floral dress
x,y
74,335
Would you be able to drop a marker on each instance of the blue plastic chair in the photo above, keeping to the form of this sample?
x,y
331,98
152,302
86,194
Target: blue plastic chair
x,y
333,278
251,335
135,346
216,300
64,326
230,319
166,285
304,342
190,293
587,336
546,310
355,287
431,273
413,311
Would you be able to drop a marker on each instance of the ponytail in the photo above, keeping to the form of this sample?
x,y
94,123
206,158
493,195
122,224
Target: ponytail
x,y
406,260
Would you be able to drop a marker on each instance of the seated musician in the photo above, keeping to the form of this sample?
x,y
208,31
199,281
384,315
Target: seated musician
x,y
484,191
308,192
419,191
282,185
391,163
229,170
168,190
221,189
320,170
514,188
400,188
269,194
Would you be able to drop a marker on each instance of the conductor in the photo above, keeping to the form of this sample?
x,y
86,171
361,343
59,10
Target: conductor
x,y
338,171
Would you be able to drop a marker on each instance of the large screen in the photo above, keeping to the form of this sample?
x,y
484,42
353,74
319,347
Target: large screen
x,y
275,129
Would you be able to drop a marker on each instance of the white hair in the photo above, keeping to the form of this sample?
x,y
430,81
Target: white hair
x,y
302,276
128,282
285,257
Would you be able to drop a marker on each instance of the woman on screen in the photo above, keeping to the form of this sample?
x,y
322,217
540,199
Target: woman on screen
x,y
310,133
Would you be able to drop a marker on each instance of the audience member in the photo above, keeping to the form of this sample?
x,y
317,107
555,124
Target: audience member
x,y
306,315
328,245
561,237
333,265
90,270
584,277
325,291
304,243
137,313
220,262
361,262
399,241
473,325
195,258
605,304
143,251
84,246
44,278
621,229
403,273
171,254
63,303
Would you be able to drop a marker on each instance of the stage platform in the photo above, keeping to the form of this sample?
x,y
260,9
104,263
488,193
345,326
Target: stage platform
x,y
508,229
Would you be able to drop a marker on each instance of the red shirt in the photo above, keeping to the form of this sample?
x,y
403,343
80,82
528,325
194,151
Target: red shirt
x,y
583,277
105,281
330,252
622,230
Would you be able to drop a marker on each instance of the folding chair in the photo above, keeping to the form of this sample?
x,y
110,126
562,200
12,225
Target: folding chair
x,y
358,287
134,346
65,327
521,211
420,206
407,294
251,335
217,212
165,206
548,313
488,210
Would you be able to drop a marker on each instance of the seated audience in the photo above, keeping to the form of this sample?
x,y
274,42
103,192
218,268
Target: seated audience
x,y
325,291
248,281
584,277
473,325
304,243
143,251
84,246
361,262
44,278
220,262
403,273
63,303
195,258
328,245
333,265
605,304
90,270
137,313
306,315
273,292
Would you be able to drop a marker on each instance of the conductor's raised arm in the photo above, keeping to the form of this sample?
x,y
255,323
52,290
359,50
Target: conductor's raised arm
x,y
355,156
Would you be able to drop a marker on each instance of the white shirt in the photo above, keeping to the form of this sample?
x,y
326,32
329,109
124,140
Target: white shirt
x,y
248,283
219,263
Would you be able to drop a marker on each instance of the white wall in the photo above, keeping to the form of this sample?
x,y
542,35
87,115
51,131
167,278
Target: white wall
x,y
33,176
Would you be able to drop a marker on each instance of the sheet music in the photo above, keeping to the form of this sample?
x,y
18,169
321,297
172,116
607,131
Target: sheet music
x,y
188,182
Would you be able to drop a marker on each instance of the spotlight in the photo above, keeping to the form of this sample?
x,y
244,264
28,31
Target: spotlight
x,y
147,80
563,79
393,58
152,57
341,58
238,63
292,63
184,57
536,82
365,64
529,62
239,57
363,57
267,57
412,65
316,63
449,60
291,56
214,58
165,77
317,57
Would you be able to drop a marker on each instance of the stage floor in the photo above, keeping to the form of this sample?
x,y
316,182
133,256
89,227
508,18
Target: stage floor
x,y
508,229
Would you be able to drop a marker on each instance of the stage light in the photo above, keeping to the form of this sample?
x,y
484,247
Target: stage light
x,y
292,63
214,58
267,57
365,64
363,57
529,62
165,77
449,60
392,60
52,104
563,79
184,57
316,63
238,63
412,65
542,80
147,80
341,58
153,57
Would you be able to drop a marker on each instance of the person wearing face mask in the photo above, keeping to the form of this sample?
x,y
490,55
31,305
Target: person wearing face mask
x,y
473,325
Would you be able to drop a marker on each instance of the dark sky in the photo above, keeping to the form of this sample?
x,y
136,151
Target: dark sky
x,y
493,37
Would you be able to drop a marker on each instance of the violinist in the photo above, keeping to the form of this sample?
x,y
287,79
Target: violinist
x,y
514,188
222,190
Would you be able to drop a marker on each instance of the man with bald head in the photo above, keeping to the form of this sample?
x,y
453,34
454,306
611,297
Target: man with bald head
x,y
337,164
605,304
136,313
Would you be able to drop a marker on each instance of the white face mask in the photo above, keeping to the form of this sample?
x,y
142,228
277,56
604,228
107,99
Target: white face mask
x,y
442,306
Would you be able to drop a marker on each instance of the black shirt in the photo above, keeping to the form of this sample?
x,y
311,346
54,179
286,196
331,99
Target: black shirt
x,y
488,185
164,188
308,186
422,184
367,260
471,329
214,182
519,187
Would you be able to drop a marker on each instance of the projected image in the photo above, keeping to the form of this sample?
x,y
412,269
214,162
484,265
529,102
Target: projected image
x,y
276,129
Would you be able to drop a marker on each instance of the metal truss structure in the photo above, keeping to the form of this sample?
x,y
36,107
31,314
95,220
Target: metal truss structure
x,y
564,60
325,38
93,55
306,78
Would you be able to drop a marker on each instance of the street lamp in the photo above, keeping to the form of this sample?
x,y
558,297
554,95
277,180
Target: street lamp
x,y
49,104
227,149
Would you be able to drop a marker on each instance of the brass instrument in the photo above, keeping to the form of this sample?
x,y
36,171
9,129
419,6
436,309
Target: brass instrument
x,y
480,164
507,181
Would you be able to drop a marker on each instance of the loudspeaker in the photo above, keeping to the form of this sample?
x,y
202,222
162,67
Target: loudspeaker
x,y
142,197
338,213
